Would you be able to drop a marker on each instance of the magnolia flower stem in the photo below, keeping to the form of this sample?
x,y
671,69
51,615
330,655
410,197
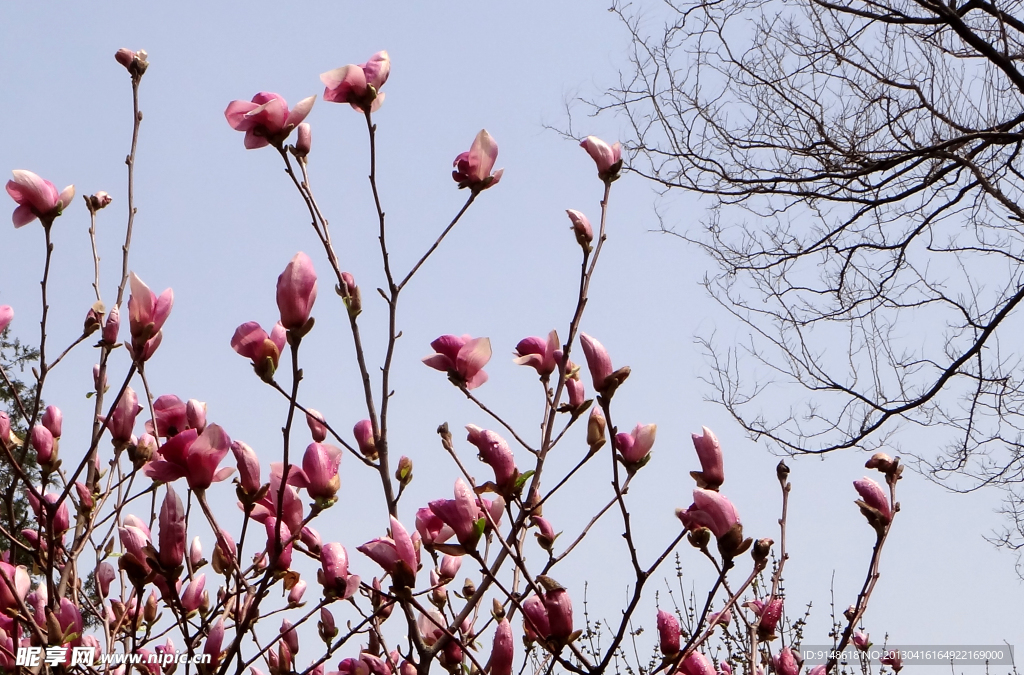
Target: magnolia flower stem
x,y
320,226
586,274
497,418
130,161
345,444
583,534
455,220
783,555
95,254
869,583
565,479
47,225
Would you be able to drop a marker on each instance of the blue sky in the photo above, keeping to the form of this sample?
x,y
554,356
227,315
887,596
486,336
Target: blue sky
x,y
218,223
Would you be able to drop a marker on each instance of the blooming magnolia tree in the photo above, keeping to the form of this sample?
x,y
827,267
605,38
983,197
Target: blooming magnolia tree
x,y
112,564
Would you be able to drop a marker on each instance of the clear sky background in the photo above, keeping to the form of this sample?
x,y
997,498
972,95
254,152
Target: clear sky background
x,y
218,223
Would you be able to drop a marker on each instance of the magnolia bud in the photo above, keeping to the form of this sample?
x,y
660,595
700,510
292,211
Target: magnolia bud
x,y
93,320
404,471
317,426
85,498
761,549
298,590
596,430
350,292
326,626
195,413
101,199
699,538
880,461
195,553
150,610
582,229
112,326
303,141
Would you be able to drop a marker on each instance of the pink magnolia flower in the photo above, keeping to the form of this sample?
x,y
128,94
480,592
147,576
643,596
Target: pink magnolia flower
x,y
171,415
559,607
785,662
450,565
861,640
252,342
546,535
317,427
195,414
195,553
668,632
711,510
279,544
104,575
574,386
192,598
6,315
134,537
608,159
266,119
359,86
463,358
36,198
396,554
432,530
42,441
172,531
303,141
768,615
538,353
214,641
113,326
581,227
15,584
267,506
296,593
495,452
460,514
709,452
363,431
873,496
53,419
146,316
193,456
598,360
248,464
502,649
333,575
296,291
636,446
535,618
61,518
473,168
696,664
720,618
319,471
